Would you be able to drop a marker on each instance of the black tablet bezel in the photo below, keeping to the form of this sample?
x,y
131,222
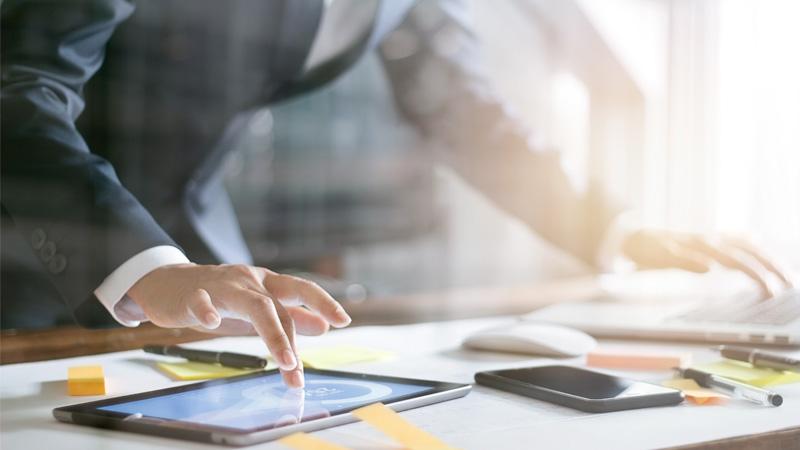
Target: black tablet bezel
x,y
89,414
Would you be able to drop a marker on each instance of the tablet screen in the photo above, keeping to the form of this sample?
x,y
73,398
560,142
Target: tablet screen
x,y
265,402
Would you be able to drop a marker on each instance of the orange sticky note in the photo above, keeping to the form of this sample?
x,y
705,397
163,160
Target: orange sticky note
x,y
303,441
86,380
404,432
694,393
636,361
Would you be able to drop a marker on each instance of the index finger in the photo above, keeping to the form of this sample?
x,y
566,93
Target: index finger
x,y
263,314
731,262
294,377
761,258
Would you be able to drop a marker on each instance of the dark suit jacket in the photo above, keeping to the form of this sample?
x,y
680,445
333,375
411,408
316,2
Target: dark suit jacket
x,y
137,168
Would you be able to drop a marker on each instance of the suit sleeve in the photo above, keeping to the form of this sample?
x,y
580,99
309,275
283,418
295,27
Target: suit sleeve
x,y
435,69
79,220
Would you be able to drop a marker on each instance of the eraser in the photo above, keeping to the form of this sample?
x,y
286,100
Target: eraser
x,y
637,361
86,380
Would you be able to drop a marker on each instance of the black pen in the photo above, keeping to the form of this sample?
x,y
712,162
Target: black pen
x,y
227,359
760,359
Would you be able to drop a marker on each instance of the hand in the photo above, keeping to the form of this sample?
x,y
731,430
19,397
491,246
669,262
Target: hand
x,y
657,249
250,298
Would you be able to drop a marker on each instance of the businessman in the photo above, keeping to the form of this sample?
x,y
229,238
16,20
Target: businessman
x,y
116,116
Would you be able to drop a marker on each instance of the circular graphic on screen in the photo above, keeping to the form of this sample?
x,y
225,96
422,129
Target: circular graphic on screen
x,y
326,392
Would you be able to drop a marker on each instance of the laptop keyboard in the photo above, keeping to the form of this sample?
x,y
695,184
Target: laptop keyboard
x,y
779,310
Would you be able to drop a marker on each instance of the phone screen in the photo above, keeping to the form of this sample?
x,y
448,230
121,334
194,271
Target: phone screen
x,y
582,383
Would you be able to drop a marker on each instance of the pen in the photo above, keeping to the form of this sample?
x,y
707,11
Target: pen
x,y
227,359
760,359
734,388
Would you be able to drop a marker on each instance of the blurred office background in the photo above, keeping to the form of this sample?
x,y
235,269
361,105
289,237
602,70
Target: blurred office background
x,y
688,111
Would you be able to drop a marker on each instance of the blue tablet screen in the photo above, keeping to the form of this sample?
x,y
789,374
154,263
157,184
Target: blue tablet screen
x,y
265,401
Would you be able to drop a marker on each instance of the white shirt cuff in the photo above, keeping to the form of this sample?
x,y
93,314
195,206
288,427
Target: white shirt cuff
x,y
609,256
112,292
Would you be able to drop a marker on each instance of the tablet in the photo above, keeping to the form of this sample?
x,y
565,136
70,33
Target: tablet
x,y
257,407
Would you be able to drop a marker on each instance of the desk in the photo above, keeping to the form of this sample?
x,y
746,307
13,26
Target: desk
x,y
485,419
61,342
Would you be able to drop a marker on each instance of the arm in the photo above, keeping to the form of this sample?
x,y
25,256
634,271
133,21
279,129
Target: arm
x,y
434,67
89,232
80,221
440,87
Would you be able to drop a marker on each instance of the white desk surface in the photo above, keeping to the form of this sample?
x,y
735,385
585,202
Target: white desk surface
x,y
484,419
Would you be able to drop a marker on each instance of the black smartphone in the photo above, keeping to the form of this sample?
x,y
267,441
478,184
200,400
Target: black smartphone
x,y
581,389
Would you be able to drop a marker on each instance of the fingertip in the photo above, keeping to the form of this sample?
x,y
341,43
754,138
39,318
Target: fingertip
x,y
342,319
341,323
212,320
765,293
202,309
294,379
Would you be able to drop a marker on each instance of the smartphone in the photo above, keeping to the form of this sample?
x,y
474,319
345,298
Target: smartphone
x,y
581,389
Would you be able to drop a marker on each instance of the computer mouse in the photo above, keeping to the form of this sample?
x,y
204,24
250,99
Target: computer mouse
x,y
532,338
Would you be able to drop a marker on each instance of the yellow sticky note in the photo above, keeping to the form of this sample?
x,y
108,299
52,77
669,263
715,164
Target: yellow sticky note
x,y
746,373
342,355
404,432
303,441
86,380
190,370
694,393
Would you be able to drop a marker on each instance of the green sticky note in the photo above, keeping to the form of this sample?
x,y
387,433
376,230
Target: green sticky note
x,y
746,373
342,355
190,370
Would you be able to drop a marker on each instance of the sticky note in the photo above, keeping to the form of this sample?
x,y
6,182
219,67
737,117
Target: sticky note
x,y
404,432
190,370
695,393
746,373
341,355
86,380
303,441
637,361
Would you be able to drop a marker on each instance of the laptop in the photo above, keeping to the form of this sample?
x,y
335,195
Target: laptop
x,y
740,318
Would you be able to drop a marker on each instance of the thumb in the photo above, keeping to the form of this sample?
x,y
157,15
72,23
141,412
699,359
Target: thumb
x,y
199,305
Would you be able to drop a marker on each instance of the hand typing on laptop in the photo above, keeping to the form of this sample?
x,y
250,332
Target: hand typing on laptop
x,y
659,249
240,299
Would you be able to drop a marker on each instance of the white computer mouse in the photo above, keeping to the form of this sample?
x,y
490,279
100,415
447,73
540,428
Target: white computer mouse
x,y
532,338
